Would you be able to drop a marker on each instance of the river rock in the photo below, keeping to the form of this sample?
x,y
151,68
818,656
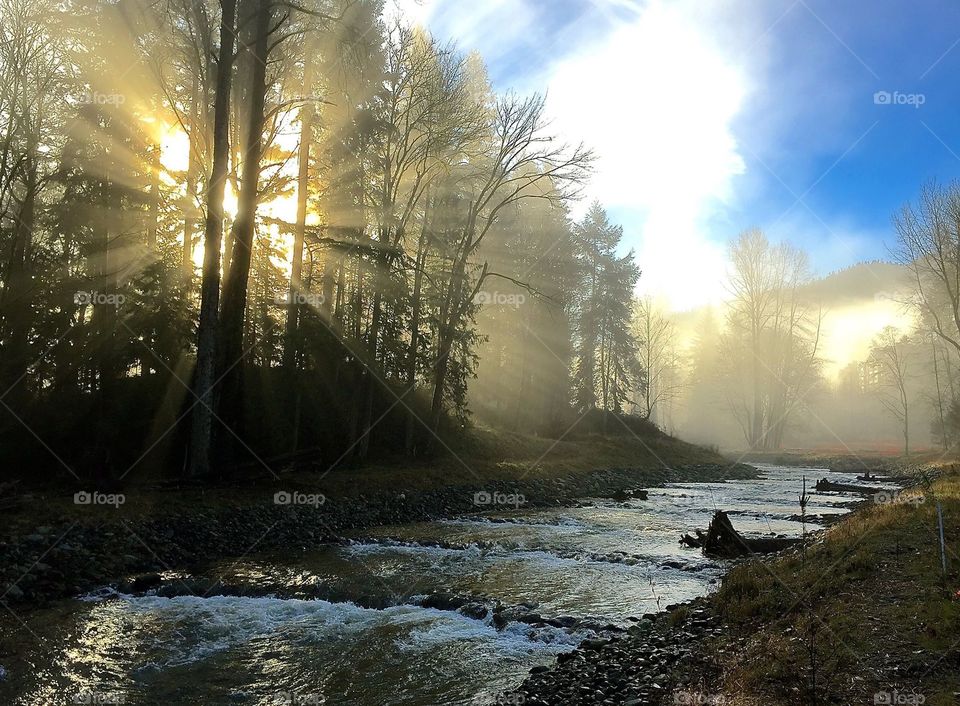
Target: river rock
x,y
477,611
444,601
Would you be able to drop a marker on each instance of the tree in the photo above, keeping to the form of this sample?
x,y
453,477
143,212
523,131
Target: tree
x,y
416,190
772,338
656,336
520,162
890,352
601,313
928,245
35,86
202,429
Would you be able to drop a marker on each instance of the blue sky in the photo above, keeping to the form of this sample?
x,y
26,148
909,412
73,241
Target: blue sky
x,y
712,117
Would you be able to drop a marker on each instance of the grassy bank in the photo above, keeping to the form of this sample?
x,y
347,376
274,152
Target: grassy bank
x,y
483,455
864,615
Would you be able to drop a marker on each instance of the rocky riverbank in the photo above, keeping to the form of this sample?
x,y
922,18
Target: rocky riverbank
x,y
782,624
96,545
642,666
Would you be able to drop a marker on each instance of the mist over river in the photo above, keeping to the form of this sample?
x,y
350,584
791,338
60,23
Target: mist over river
x,y
559,576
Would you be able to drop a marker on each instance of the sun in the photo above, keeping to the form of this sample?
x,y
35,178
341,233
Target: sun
x,y
174,150
175,161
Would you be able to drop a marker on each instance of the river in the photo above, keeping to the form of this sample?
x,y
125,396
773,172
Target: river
x,y
600,563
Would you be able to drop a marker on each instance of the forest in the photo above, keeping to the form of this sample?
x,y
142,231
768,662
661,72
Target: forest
x,y
261,233
254,231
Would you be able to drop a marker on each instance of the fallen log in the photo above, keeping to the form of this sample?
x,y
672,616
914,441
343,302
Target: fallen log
x,y
694,542
829,486
723,541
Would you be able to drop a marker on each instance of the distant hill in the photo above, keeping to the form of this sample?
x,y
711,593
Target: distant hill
x,y
863,281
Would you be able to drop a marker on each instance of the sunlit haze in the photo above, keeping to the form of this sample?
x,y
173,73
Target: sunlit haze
x,y
479,352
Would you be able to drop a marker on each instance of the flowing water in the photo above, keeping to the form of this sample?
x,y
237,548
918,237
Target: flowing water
x,y
601,562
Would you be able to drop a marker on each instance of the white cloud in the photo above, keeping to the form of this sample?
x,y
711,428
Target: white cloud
x,y
656,100
654,95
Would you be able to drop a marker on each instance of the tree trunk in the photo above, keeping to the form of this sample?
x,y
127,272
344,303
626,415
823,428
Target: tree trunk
x,y
414,347
189,205
153,226
449,318
202,431
17,313
756,430
234,305
290,346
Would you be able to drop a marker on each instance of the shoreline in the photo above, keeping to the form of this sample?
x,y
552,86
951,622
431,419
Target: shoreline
x,y
697,652
44,563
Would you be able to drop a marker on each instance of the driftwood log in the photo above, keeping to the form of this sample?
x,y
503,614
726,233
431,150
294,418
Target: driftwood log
x,y
695,542
825,485
723,541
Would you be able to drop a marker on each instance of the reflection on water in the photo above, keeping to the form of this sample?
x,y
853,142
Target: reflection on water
x,y
256,650
603,561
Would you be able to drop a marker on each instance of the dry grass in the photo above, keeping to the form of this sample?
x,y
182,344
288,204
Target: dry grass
x,y
868,609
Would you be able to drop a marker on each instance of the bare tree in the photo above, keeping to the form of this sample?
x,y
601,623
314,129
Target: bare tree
x,y
431,120
35,74
891,354
656,336
516,161
773,337
928,244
